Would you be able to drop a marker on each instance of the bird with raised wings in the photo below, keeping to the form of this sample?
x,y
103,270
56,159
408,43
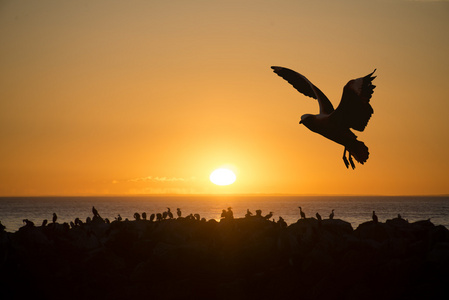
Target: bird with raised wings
x,y
353,112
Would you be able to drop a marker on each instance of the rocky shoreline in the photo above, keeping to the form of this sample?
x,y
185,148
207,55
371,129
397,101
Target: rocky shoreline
x,y
247,258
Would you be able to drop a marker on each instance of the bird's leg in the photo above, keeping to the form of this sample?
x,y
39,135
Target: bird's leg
x,y
351,161
345,160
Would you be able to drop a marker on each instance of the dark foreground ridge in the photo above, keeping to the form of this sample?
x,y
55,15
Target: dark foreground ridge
x,y
248,258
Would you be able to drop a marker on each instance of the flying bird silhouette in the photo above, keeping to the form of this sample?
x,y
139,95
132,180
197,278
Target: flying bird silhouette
x,y
354,111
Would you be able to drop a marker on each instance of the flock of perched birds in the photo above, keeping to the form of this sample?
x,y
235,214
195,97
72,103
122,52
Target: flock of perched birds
x,y
137,216
225,215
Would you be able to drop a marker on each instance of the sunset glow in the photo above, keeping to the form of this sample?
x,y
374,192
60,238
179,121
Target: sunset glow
x,y
143,97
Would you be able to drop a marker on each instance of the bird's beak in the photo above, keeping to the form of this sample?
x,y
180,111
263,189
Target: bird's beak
x,y
300,122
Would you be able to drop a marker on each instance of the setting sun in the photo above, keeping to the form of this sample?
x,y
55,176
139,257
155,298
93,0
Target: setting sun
x,y
136,116
222,177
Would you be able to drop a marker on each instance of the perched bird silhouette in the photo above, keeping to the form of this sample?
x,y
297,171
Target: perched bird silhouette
x,y
375,218
230,214
282,223
178,212
303,215
55,217
95,211
28,223
354,111
267,217
318,216
169,213
331,216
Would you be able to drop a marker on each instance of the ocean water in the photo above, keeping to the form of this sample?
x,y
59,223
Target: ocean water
x,y
353,209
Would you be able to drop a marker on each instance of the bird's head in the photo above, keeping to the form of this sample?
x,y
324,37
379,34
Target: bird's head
x,y
306,119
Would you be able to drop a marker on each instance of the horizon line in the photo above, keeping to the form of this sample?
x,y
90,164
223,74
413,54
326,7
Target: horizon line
x,y
226,194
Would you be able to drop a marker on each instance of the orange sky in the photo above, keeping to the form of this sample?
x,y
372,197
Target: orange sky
x,y
136,97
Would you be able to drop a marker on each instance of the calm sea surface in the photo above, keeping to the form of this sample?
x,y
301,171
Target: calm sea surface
x,y
353,209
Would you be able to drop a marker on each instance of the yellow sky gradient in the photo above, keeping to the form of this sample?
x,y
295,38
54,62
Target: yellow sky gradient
x,y
149,97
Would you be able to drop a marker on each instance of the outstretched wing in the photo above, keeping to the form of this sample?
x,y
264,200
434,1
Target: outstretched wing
x,y
354,110
304,86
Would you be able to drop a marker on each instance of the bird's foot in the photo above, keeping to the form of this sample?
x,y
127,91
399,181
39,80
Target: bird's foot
x,y
345,160
351,161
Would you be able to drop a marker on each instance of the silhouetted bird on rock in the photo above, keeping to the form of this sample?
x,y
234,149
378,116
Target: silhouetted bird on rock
x,y
354,111
282,223
229,213
55,217
248,213
375,219
144,215
152,216
169,213
95,211
178,212
318,216
28,223
303,215
331,216
269,215
44,223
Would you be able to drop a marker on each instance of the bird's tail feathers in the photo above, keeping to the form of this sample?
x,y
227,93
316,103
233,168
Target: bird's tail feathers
x,y
359,151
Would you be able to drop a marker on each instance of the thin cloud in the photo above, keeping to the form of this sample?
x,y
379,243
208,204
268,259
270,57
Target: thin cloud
x,y
161,179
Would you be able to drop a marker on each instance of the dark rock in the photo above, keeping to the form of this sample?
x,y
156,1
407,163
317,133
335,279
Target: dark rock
x,y
242,258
